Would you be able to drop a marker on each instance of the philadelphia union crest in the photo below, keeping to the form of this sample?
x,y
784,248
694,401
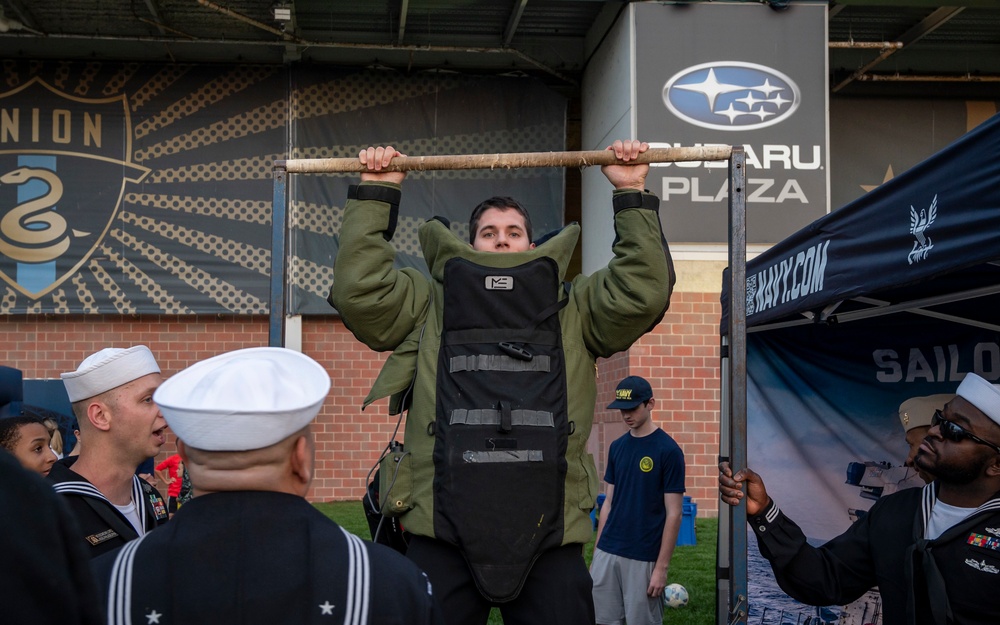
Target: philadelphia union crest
x,y
65,162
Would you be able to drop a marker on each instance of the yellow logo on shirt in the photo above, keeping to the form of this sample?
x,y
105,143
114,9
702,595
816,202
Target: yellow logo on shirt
x,y
646,464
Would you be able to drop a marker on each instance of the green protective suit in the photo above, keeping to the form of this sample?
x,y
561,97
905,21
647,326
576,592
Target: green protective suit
x,y
401,310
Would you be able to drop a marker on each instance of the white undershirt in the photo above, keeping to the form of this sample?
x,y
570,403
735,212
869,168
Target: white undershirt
x,y
132,515
943,516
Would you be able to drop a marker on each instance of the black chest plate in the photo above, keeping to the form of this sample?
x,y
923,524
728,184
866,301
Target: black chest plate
x,y
502,426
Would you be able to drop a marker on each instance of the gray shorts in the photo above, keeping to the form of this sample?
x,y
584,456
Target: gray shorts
x,y
620,591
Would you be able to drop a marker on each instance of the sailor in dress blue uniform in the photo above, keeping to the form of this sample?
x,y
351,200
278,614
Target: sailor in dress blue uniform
x,y
249,548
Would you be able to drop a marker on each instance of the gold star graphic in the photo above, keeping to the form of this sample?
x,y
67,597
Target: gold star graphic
x,y
888,177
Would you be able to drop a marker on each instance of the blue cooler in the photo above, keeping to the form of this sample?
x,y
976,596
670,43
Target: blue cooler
x,y
686,534
593,513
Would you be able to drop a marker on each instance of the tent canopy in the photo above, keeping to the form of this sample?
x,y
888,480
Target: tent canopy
x,y
924,248
926,242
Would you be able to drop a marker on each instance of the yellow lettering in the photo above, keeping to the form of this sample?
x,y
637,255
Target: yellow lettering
x,y
92,129
8,125
61,126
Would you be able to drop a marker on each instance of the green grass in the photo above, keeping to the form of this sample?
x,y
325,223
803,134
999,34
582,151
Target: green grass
x,y
692,566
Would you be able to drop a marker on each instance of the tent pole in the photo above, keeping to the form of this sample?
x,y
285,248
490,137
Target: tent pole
x,y
722,540
737,381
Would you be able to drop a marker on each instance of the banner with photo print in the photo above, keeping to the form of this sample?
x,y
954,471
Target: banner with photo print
x,y
135,188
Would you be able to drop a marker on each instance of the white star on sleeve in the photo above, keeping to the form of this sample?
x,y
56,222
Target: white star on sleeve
x,y
327,608
153,617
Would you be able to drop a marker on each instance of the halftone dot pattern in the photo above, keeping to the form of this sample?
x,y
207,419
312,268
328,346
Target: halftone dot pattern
x,y
115,292
345,152
163,79
256,168
317,218
35,308
87,78
11,76
61,76
223,293
250,211
59,305
342,151
527,139
233,82
326,151
261,119
167,302
461,229
84,296
358,91
252,257
310,276
405,239
9,298
117,82
187,115
326,220
107,278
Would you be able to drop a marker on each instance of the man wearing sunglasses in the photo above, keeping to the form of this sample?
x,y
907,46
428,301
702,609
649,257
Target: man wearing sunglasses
x,y
916,415
933,552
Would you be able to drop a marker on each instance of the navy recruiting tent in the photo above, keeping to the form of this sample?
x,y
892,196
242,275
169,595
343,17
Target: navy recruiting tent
x,y
895,295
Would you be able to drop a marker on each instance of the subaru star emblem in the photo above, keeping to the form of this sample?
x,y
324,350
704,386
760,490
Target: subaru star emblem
x,y
731,95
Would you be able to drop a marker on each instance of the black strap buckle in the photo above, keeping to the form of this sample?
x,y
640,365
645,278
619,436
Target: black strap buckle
x,y
515,351
505,426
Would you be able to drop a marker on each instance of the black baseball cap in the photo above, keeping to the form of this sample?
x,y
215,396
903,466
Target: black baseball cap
x,y
631,392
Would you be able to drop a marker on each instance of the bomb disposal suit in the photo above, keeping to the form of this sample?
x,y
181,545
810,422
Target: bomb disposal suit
x,y
494,359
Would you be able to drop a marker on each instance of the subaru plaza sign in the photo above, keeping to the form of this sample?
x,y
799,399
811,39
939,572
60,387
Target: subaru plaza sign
x,y
735,74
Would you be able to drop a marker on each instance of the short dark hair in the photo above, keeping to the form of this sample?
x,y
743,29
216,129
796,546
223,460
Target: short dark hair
x,y
500,202
10,430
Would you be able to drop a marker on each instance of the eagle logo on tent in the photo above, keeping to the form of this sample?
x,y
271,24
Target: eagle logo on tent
x,y
919,223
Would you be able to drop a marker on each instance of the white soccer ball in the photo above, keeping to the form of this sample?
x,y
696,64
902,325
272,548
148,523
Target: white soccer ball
x,y
675,596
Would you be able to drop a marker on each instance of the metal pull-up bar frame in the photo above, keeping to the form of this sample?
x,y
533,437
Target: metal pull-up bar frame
x,y
732,565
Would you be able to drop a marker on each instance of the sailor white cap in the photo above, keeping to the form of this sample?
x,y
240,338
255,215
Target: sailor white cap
x,y
982,395
917,411
245,399
108,369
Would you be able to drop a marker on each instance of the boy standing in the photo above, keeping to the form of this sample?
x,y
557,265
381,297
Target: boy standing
x,y
641,514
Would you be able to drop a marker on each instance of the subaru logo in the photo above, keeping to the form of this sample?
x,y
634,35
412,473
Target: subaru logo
x,y
731,95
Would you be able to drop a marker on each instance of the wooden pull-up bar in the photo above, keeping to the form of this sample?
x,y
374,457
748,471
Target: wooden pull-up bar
x,y
508,161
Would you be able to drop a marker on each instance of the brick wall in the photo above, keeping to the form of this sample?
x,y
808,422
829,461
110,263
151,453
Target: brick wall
x,y
680,359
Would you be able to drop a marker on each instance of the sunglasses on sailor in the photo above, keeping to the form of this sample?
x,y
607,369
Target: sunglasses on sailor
x,y
952,431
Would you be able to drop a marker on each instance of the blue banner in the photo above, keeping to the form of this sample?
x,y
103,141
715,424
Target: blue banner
x,y
926,233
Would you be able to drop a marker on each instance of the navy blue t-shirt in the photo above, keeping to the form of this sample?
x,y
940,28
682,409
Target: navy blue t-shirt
x,y
641,469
